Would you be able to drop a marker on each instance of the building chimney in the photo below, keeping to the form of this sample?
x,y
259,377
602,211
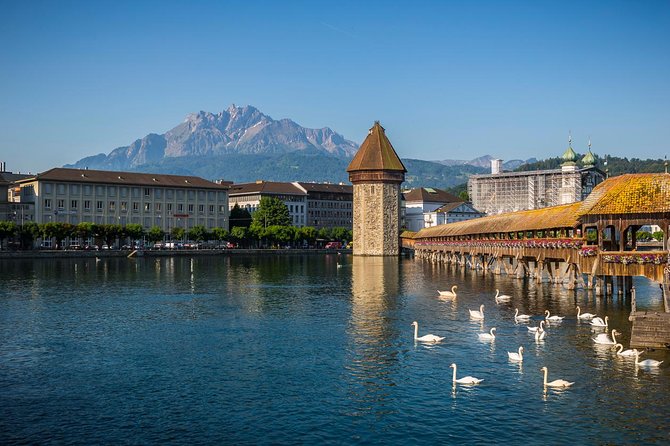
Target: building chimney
x,y
496,165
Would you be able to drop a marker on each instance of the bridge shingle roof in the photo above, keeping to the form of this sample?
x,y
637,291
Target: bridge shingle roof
x,y
554,217
640,193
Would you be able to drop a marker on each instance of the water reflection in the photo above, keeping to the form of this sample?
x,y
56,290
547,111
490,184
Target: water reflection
x,y
372,334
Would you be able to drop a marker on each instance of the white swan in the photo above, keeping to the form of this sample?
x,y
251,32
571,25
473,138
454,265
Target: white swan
x,y
520,317
466,379
451,293
536,329
488,336
621,352
502,297
581,315
513,356
646,362
603,338
550,318
540,334
561,383
599,322
474,314
425,338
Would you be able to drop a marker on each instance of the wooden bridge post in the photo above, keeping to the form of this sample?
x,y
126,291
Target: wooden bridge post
x,y
599,285
540,271
619,285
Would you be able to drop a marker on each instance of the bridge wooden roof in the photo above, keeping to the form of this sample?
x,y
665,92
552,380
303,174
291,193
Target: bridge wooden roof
x,y
555,217
641,193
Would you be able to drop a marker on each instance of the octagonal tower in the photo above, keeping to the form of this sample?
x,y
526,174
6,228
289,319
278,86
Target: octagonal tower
x,y
376,173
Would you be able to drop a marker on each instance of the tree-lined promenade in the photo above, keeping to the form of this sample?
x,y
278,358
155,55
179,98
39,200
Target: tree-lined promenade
x,y
270,226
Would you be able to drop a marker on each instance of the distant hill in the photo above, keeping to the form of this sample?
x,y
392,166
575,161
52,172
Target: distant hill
x,y
485,162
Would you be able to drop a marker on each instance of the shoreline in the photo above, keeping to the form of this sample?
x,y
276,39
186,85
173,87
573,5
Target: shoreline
x,y
59,254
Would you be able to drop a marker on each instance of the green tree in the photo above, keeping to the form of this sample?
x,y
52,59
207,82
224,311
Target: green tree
x,y
134,231
658,236
239,217
197,233
239,234
177,233
342,234
57,230
109,233
85,230
220,234
326,233
7,229
306,234
279,235
271,212
463,195
28,232
155,234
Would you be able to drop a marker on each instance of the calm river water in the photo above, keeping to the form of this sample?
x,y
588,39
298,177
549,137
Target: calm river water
x,y
296,350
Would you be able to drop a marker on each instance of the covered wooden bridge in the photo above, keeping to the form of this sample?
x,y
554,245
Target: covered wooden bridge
x,y
590,244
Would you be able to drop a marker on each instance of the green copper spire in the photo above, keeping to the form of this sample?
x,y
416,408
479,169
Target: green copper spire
x,y
589,159
569,157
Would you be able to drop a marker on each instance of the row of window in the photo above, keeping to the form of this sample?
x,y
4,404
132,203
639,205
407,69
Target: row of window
x,y
123,206
135,192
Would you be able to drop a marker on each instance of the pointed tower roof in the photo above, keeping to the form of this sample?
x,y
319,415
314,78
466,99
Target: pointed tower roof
x,y
589,159
569,157
376,153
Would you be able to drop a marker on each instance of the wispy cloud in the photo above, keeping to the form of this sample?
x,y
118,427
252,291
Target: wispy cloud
x,y
339,30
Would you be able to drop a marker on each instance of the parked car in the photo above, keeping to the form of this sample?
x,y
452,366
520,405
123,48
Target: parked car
x,y
333,245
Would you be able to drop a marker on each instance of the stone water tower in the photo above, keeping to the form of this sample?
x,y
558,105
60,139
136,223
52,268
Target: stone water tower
x,y
376,173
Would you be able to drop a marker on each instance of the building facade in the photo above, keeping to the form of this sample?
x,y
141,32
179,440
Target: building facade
x,y
104,197
376,173
425,207
501,192
328,205
320,205
248,196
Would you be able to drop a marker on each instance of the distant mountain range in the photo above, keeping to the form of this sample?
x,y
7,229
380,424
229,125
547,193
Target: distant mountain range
x,y
241,144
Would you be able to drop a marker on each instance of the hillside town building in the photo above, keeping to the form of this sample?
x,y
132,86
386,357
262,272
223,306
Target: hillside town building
x,y
501,192
105,197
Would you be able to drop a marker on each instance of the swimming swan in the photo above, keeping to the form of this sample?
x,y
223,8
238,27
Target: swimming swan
x,y
603,338
474,314
646,362
599,322
520,317
550,318
466,379
425,338
451,293
536,329
559,383
513,356
502,297
621,352
581,315
488,336
540,334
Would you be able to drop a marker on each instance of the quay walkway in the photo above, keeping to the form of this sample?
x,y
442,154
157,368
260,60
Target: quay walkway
x,y
590,244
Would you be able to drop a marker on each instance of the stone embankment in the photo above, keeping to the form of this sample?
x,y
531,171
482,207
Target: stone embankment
x,y
51,254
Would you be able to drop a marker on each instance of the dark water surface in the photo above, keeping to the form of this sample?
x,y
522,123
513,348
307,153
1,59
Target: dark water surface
x,y
296,350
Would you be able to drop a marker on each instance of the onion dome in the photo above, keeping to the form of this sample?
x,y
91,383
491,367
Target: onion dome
x,y
589,159
569,157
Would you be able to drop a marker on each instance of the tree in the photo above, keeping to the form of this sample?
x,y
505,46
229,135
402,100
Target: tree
x,y
109,233
658,236
7,229
306,234
342,234
271,212
197,233
85,230
326,233
28,232
279,234
134,231
155,234
58,231
240,217
463,195
220,234
239,234
177,233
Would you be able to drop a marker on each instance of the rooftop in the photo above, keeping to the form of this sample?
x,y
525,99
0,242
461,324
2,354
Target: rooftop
x,y
376,153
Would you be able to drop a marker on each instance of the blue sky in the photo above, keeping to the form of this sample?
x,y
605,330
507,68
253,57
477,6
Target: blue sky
x,y
447,79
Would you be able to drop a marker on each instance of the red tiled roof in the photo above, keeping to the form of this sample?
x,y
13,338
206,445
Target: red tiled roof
x,y
376,153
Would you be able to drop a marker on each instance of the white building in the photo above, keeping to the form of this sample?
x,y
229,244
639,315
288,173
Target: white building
x,y
104,197
426,207
248,196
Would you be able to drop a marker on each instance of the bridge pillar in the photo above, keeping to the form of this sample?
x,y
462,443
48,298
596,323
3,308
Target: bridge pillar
x,y
540,271
599,285
620,285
